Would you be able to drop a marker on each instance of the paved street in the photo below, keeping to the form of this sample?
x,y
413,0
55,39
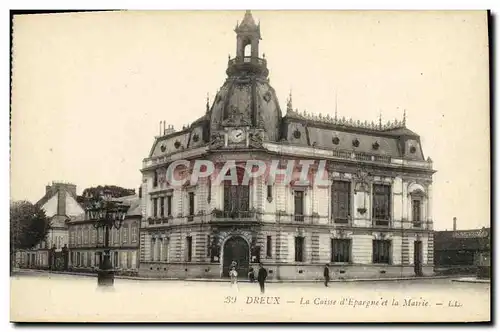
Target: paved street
x,y
46,297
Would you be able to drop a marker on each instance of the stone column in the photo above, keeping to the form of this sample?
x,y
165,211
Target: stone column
x,y
429,203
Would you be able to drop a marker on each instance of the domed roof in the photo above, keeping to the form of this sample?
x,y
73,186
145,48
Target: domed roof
x,y
247,101
247,98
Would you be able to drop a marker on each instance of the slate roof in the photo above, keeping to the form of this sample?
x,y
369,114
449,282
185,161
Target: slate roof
x,y
454,240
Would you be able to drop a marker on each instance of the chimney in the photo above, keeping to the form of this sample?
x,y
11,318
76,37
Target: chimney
x,y
61,202
169,130
454,223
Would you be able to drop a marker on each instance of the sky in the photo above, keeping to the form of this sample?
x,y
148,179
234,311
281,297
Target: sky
x,y
89,89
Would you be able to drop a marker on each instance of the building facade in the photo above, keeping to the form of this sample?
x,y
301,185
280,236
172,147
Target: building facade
x,y
86,242
60,205
462,251
372,219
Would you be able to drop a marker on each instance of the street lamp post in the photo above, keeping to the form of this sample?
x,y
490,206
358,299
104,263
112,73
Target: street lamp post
x,y
106,214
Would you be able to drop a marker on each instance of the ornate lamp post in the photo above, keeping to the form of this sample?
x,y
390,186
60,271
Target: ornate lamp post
x,y
106,214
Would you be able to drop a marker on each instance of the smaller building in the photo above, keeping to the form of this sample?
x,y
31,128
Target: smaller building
x,y
60,205
86,243
461,251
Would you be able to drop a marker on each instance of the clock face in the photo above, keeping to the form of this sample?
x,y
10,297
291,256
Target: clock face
x,y
237,135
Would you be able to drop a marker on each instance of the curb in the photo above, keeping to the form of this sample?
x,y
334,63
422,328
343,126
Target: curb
x,y
473,281
246,281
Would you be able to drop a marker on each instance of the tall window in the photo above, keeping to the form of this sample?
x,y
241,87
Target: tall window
x,y
190,206
152,249
134,233
299,205
236,197
162,206
155,207
209,245
165,243
116,235
382,204
269,247
381,251
191,203
341,250
155,179
341,201
125,230
169,205
416,209
189,244
85,236
100,233
299,249
94,236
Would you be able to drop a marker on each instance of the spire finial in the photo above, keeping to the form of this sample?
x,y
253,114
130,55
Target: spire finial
x,y
380,119
289,106
404,117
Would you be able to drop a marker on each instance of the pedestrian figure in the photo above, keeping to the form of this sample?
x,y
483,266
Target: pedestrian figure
x,y
326,274
261,277
251,275
234,277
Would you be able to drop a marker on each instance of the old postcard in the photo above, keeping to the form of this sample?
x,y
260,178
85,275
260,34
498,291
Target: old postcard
x,y
250,166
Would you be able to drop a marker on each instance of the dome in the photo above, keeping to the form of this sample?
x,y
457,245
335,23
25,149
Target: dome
x,y
247,101
246,97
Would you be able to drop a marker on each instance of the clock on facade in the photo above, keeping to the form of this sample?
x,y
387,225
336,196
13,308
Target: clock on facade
x,y
237,135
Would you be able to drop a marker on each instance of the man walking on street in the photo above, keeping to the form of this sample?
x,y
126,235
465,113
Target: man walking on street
x,y
326,274
261,277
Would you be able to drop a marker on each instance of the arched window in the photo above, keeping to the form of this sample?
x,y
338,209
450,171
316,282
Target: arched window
x,y
236,197
417,204
247,50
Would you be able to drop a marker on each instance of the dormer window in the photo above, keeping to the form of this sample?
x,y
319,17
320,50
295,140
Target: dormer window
x,y
296,134
375,146
413,149
336,140
355,142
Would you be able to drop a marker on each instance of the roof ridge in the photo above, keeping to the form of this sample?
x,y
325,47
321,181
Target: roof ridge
x,y
348,123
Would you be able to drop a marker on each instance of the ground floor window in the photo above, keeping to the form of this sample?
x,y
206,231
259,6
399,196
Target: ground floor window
x,y
299,249
269,247
341,250
381,251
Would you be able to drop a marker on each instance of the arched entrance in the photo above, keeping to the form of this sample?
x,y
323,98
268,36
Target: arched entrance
x,y
236,249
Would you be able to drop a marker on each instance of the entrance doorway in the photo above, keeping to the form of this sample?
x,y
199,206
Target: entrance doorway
x,y
236,249
417,258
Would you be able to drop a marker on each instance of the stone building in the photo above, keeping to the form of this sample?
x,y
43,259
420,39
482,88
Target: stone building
x,y
373,219
60,205
86,243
